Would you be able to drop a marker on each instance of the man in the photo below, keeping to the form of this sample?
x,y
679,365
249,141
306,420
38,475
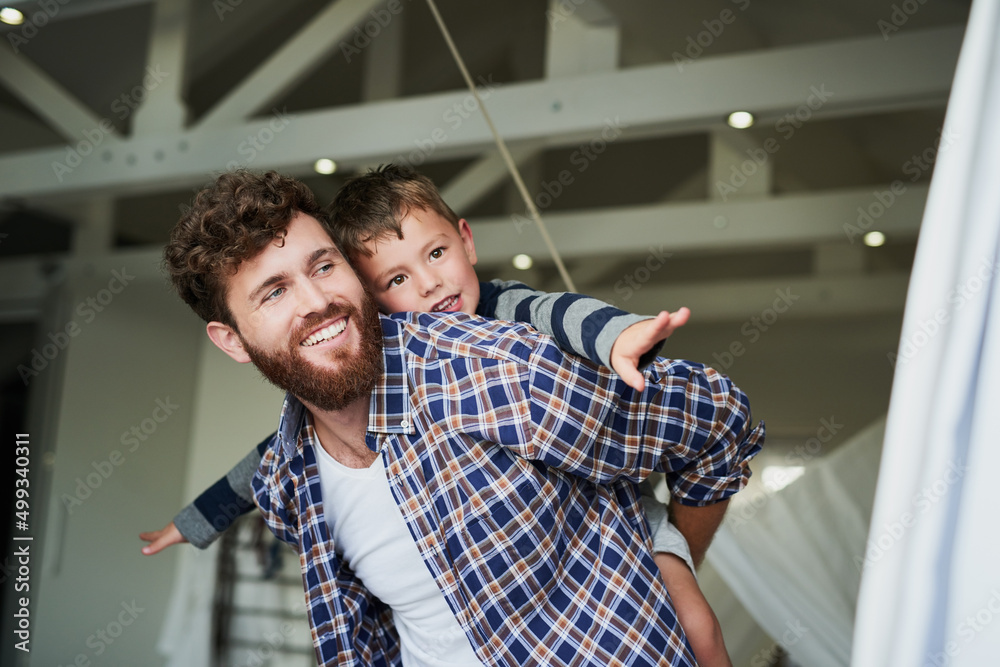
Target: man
x,y
468,464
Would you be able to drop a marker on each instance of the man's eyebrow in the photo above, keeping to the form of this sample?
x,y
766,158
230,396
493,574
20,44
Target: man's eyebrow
x,y
382,276
273,280
279,277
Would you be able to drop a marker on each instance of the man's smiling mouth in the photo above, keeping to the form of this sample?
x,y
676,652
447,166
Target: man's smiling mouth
x,y
326,333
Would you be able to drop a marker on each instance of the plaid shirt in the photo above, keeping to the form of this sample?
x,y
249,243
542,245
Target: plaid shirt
x,y
503,454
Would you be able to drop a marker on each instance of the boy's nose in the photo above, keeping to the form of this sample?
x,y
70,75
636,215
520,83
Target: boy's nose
x,y
429,281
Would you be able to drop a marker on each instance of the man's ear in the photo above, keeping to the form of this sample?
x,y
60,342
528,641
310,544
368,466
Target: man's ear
x,y
227,340
466,233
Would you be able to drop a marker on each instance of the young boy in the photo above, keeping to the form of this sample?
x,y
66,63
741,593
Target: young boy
x,y
415,254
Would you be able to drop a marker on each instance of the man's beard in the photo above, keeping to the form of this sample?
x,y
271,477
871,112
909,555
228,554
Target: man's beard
x,y
324,388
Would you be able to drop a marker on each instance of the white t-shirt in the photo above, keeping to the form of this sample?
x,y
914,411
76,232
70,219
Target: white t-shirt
x,y
370,535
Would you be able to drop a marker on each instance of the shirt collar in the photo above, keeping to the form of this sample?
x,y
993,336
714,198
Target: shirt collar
x,y
390,402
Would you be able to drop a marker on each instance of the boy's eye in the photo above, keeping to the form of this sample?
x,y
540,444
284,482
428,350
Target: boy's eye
x,y
437,253
398,280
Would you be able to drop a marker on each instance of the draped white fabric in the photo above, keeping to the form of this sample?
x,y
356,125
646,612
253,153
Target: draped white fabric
x,y
187,630
930,592
792,558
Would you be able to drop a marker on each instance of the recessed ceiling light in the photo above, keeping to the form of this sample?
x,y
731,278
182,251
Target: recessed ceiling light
x,y
11,16
523,262
740,119
325,166
874,239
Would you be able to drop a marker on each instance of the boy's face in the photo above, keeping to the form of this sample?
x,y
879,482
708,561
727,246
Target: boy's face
x,y
429,270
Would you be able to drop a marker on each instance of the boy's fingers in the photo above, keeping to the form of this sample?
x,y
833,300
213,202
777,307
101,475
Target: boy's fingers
x,y
153,547
634,378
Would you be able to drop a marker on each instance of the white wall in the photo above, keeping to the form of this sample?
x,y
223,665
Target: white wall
x,y
141,347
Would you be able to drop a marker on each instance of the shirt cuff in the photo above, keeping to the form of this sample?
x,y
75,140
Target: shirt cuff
x,y
195,528
614,328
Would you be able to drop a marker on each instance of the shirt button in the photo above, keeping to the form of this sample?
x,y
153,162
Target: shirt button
x,y
404,424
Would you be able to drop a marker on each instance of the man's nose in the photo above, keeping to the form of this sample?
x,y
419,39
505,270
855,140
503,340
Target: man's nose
x,y
312,299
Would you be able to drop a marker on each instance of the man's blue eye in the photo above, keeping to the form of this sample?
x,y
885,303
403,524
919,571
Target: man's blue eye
x,y
276,293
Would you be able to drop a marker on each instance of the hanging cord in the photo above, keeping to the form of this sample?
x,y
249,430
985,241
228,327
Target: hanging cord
x,y
503,151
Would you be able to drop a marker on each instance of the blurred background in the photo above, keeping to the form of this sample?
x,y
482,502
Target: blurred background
x,y
764,163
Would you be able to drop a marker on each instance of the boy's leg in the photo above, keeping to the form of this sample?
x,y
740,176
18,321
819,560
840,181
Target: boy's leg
x,y
693,611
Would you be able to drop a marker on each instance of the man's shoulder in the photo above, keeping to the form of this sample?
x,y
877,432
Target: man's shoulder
x,y
454,335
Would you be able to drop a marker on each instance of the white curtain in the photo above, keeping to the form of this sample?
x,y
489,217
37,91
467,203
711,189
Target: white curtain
x,y
930,592
187,630
792,557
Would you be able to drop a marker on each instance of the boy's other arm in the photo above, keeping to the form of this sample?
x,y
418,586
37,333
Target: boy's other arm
x,y
218,507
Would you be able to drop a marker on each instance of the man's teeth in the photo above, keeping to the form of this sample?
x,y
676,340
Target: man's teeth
x,y
325,334
445,305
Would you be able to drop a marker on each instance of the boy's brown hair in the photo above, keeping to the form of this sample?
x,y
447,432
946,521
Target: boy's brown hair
x,y
371,206
231,221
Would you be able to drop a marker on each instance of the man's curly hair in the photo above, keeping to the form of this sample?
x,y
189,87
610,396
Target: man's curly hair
x,y
231,221
371,206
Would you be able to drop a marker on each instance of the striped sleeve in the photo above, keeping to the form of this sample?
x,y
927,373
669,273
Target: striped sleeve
x,y
580,324
218,506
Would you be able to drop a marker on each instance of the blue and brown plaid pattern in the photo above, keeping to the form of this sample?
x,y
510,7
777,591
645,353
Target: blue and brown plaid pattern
x,y
514,466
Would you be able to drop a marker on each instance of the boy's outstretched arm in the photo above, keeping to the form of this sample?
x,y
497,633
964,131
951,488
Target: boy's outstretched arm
x,y
580,324
633,347
159,540
214,511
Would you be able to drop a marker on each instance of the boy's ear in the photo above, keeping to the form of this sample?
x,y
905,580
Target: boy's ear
x,y
227,340
466,233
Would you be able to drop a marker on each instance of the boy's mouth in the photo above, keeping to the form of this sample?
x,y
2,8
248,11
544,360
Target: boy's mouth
x,y
325,333
447,304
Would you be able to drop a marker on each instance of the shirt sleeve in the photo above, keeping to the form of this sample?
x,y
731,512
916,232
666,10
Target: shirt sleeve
x,y
274,494
580,324
690,422
218,507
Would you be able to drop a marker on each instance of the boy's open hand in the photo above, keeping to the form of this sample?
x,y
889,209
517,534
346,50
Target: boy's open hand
x,y
161,539
639,339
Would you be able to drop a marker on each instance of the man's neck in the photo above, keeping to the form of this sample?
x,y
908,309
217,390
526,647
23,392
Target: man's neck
x,y
342,432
